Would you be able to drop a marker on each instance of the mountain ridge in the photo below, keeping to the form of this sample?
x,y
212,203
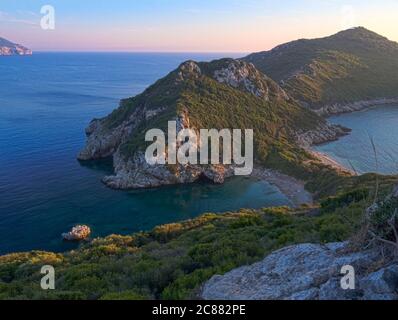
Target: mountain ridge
x,y
332,74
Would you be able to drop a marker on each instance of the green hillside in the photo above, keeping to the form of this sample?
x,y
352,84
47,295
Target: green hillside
x,y
171,261
352,65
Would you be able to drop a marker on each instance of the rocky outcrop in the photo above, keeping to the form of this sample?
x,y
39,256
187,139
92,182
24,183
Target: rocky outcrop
x,y
335,109
244,76
307,272
188,70
7,48
135,173
322,134
103,142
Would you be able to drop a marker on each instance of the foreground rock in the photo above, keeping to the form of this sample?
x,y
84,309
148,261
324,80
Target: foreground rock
x,y
8,48
307,272
77,233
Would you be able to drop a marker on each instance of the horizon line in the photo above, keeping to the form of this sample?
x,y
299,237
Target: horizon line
x,y
149,51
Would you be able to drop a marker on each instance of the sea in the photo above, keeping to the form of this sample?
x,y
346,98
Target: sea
x,y
46,101
372,146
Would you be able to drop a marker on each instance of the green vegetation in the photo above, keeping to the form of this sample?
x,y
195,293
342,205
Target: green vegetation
x,y
353,65
172,261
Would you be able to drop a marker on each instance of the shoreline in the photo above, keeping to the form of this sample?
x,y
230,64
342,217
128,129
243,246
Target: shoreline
x,y
329,161
356,106
290,187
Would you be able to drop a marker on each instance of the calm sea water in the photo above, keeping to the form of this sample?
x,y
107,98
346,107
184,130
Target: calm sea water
x,y
355,150
46,101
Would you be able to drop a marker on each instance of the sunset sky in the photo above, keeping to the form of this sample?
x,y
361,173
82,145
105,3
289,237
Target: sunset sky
x,y
188,25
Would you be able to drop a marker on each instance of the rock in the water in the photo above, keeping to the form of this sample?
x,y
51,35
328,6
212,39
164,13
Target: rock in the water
x,y
77,233
306,272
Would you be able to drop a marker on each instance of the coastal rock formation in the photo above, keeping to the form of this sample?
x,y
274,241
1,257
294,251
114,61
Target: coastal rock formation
x,y
307,272
8,48
135,173
324,133
103,142
337,108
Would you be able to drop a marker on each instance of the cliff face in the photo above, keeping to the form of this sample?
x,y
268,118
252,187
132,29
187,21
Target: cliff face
x,y
345,72
8,48
221,94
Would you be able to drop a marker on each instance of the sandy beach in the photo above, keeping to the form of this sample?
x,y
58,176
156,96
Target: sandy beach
x,y
328,161
292,188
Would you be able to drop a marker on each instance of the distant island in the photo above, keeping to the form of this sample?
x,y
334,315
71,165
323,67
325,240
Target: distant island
x,y
8,48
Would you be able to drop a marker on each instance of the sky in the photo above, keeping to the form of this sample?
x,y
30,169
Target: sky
x,y
188,25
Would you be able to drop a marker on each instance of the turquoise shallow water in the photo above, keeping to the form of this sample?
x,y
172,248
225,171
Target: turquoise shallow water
x,y
355,150
46,101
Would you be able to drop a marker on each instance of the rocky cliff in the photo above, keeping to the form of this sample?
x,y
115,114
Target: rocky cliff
x,y
7,48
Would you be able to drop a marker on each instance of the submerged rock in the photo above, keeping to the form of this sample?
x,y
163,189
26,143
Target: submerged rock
x,y
77,233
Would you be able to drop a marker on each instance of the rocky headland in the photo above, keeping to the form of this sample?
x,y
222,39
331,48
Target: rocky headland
x,y
8,48
107,137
